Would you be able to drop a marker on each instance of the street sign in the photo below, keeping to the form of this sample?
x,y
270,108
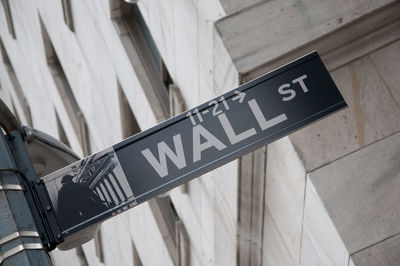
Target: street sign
x,y
192,143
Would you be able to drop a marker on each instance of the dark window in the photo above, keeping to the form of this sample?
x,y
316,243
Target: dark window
x,y
131,26
136,258
61,132
98,244
7,12
128,121
152,47
172,229
67,11
14,110
71,105
16,85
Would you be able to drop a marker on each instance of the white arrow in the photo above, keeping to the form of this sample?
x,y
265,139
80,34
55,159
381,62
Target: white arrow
x,y
240,96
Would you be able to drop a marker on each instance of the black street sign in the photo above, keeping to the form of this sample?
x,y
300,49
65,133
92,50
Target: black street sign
x,y
192,143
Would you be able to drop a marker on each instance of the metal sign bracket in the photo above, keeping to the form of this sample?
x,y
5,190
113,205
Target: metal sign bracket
x,y
35,193
44,215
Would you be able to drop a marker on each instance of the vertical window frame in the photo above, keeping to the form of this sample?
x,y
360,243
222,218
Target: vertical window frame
x,y
57,72
129,124
62,136
131,25
67,13
8,14
23,102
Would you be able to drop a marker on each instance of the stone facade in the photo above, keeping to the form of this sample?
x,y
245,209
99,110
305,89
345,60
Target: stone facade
x,y
325,195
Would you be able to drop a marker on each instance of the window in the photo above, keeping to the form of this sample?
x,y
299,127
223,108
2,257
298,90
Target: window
x,y
67,11
172,229
16,85
81,256
176,102
136,258
98,244
14,110
61,132
182,243
151,46
137,39
128,121
71,105
250,210
7,12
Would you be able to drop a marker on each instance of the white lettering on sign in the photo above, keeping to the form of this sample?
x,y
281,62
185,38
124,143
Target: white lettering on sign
x,y
301,82
233,138
204,139
284,88
265,124
177,158
211,141
282,91
239,96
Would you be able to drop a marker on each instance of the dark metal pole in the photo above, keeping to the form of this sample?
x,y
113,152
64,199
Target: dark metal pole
x,y
20,242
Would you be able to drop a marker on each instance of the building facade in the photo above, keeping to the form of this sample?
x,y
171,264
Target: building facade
x,y
94,72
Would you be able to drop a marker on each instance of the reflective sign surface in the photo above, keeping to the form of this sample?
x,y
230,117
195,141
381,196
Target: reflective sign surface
x,y
193,143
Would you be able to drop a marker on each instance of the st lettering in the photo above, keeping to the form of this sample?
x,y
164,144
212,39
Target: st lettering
x,y
288,90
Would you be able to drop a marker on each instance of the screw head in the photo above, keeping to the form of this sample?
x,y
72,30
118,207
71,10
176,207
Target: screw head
x,y
48,208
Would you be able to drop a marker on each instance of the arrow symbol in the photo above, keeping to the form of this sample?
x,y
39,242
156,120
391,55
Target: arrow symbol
x,y
239,95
